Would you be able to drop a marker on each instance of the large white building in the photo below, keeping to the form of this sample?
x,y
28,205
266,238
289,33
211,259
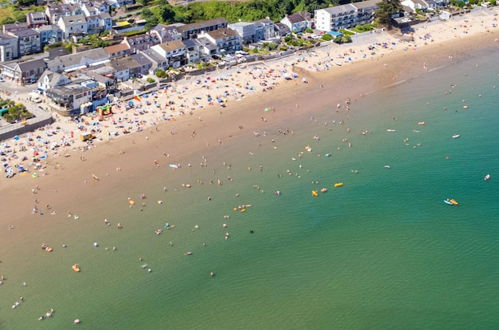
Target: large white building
x,y
345,16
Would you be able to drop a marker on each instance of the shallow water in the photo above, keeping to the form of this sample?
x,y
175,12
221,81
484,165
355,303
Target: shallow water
x,y
383,251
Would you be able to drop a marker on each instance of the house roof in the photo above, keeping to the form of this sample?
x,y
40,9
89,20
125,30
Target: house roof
x,y
69,89
59,8
141,59
203,24
56,52
207,43
125,63
366,4
94,54
142,38
172,45
74,19
222,33
153,56
37,15
50,27
190,43
32,65
340,9
24,33
4,36
14,26
104,15
282,27
116,48
298,17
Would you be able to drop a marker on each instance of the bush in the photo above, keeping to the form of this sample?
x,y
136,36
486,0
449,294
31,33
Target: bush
x,y
270,45
150,80
493,2
327,37
342,39
309,30
161,73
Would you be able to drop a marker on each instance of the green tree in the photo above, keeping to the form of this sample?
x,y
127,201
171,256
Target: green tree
x,y
387,8
167,14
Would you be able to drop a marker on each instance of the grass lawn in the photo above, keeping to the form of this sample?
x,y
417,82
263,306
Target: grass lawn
x,y
362,28
346,32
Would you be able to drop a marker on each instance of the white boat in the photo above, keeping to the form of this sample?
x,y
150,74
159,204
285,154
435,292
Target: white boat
x,y
456,136
391,130
486,177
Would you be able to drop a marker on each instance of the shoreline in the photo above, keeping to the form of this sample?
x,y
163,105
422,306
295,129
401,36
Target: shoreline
x,y
200,95
69,179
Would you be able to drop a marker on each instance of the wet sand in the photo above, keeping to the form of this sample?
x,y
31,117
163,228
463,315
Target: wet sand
x,y
71,183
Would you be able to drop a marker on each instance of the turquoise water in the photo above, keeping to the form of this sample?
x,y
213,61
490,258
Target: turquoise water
x,y
382,252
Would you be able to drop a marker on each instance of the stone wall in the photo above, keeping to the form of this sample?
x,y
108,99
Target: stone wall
x,y
11,130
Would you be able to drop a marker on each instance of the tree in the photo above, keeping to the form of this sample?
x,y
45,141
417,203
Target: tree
x,y
167,14
387,8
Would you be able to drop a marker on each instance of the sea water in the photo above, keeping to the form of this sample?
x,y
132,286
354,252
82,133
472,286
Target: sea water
x,y
381,252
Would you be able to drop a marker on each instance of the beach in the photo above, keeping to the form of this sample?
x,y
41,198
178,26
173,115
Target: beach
x,y
215,90
188,173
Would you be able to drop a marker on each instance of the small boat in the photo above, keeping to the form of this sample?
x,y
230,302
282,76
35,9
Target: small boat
x,y
456,136
486,177
450,201
339,184
324,190
391,130
315,193
76,268
421,123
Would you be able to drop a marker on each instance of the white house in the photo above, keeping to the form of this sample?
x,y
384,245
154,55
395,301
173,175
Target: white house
x,y
247,31
51,79
298,22
73,25
226,40
174,51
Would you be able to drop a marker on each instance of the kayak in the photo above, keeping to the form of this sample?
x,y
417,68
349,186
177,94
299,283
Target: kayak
x,y
339,184
451,202
315,193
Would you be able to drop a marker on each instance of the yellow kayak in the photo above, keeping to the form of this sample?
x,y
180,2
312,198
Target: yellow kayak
x,y
453,201
339,184
315,193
